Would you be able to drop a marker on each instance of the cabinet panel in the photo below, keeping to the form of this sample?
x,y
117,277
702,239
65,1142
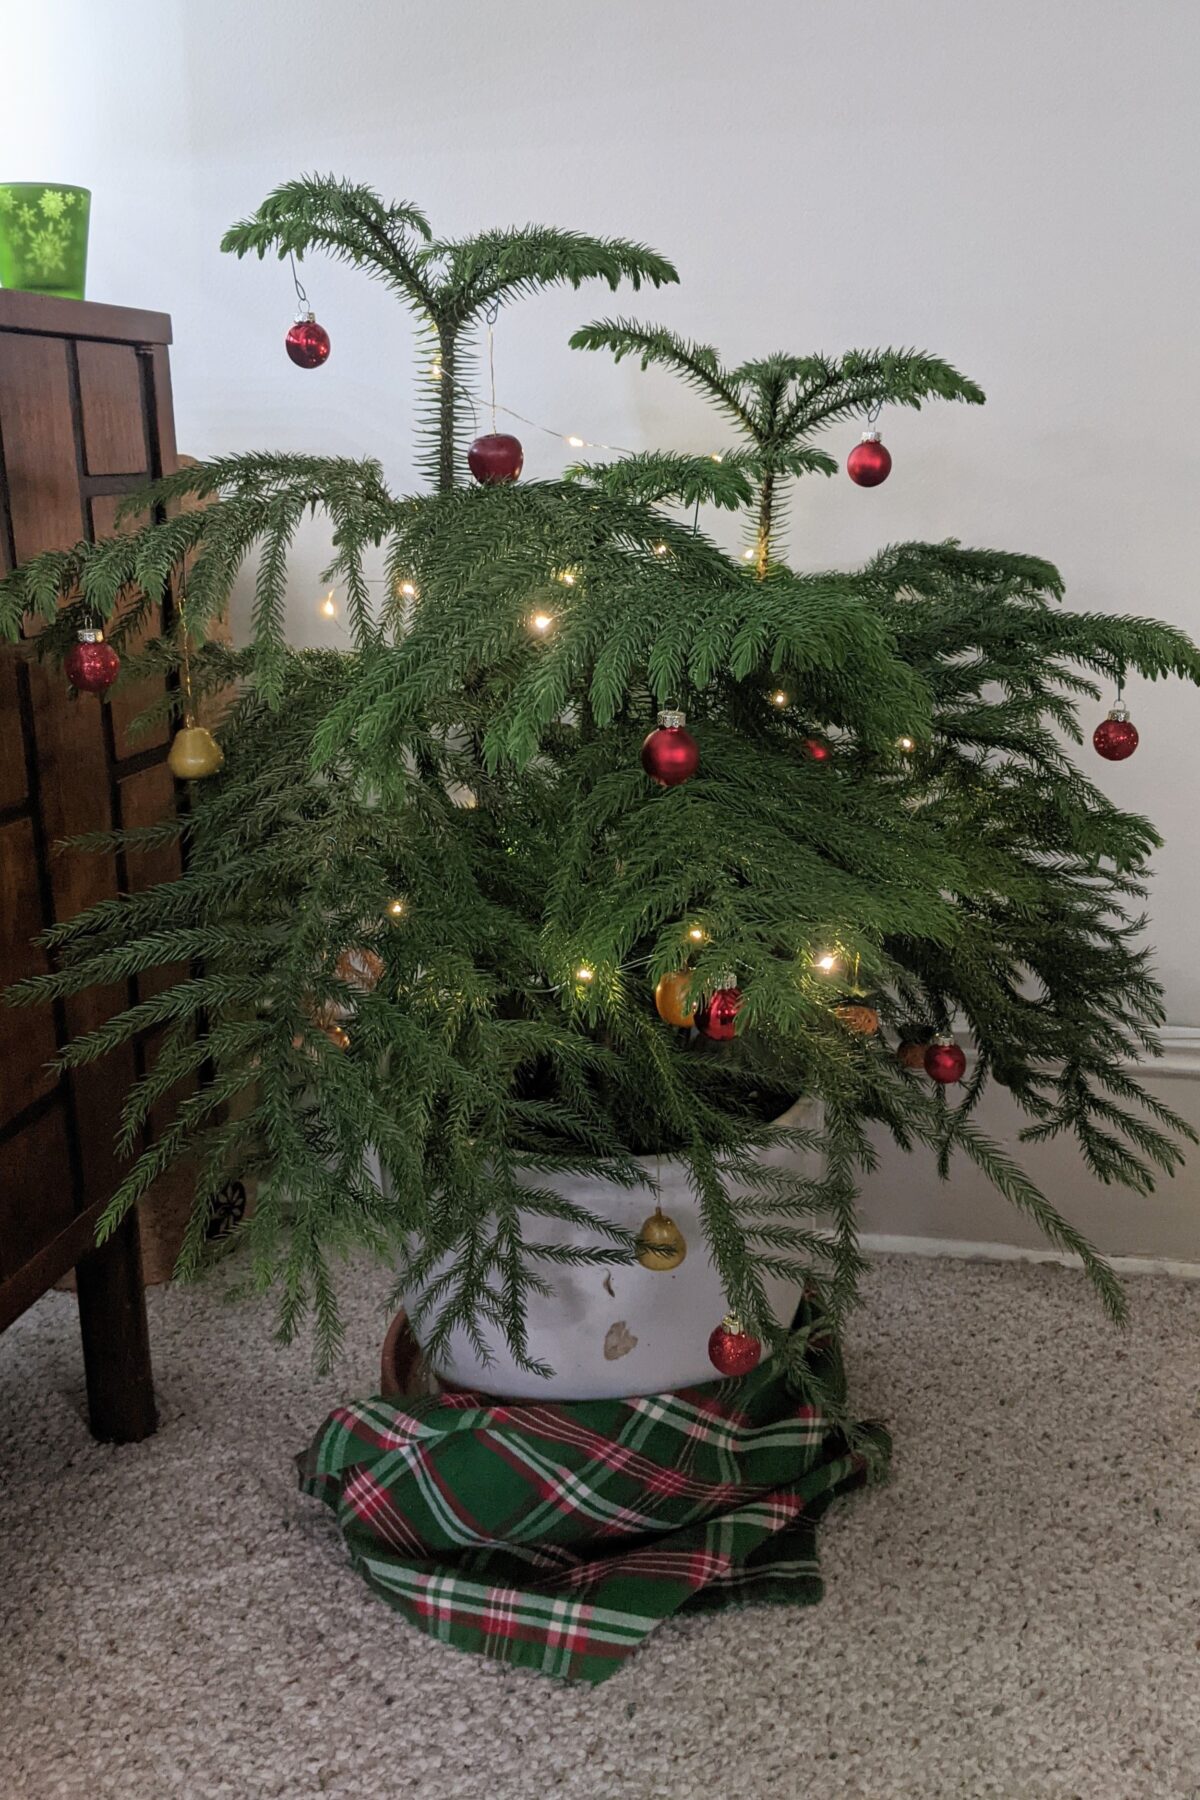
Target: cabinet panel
x,y
110,396
127,701
27,1040
39,445
35,1189
13,784
145,798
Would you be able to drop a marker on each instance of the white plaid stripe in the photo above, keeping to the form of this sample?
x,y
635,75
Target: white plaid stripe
x,y
452,1592
574,1488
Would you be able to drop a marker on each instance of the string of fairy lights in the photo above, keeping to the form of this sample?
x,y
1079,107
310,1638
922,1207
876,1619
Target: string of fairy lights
x,y
826,963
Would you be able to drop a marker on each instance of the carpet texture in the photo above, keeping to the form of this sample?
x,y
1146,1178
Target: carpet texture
x,y
1017,1614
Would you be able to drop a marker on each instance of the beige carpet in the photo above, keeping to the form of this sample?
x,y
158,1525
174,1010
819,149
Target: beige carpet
x,y
1016,1615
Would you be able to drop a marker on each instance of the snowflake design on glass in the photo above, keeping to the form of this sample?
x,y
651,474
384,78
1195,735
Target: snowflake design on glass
x,y
40,229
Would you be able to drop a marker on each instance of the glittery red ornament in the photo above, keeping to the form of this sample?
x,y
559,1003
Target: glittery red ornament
x,y
91,665
869,463
307,343
732,1350
945,1061
670,754
815,750
495,458
717,1019
1116,737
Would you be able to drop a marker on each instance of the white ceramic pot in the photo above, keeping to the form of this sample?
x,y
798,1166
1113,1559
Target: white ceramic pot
x,y
615,1331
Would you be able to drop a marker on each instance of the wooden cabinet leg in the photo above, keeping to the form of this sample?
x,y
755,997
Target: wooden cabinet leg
x,y
116,1338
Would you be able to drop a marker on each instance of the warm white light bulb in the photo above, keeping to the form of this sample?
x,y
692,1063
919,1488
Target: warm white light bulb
x,y
697,934
660,549
583,973
716,458
542,621
779,698
747,556
827,963
329,605
907,743
576,443
397,908
435,368
567,577
409,589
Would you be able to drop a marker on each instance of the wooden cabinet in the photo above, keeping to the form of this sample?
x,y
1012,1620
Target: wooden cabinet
x,y
85,416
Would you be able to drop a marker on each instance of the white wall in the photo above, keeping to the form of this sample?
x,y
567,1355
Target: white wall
x,y
1011,183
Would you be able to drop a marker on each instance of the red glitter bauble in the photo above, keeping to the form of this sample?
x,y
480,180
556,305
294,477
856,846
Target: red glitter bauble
x,y
495,458
91,665
1116,737
307,343
945,1061
869,463
718,1018
815,750
670,754
732,1350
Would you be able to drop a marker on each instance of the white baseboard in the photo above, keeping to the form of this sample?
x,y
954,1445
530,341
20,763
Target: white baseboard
x,y
964,1251
1180,1057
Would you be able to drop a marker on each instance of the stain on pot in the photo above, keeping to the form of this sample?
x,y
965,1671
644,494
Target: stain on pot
x,y
618,1341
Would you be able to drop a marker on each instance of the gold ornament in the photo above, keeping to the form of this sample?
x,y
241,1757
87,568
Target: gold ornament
x,y
661,1244
671,999
857,1016
194,753
359,967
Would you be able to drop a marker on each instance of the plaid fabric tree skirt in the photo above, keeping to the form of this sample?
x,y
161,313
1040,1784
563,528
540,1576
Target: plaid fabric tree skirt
x,y
558,1535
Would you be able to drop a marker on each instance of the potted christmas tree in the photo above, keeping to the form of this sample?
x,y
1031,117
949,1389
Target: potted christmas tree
x,y
606,869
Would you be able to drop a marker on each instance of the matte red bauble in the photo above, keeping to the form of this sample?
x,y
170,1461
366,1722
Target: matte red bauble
x,y
495,458
869,463
945,1061
307,343
732,1350
1116,737
718,1019
91,665
815,750
670,754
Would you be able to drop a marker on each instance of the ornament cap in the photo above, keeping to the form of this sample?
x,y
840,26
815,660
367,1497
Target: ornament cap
x,y
1120,713
93,635
733,1324
672,718
872,437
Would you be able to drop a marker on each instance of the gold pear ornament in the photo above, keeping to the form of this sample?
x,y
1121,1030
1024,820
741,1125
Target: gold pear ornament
x,y
661,1244
194,753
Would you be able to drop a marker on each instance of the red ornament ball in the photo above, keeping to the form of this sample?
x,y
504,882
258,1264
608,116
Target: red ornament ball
x,y
1116,737
91,665
670,754
718,1019
732,1350
495,458
945,1061
815,750
869,462
307,343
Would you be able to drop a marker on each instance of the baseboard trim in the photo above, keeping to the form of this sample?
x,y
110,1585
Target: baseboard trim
x,y
962,1250
1180,1057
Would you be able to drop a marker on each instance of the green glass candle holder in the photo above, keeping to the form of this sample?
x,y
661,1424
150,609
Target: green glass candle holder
x,y
44,238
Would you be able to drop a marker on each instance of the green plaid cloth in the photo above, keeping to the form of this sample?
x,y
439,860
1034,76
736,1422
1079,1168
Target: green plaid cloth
x,y
558,1535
